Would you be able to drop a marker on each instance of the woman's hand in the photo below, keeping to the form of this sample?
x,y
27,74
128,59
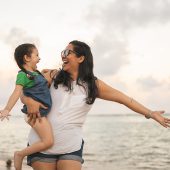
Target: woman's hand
x,y
49,75
45,71
33,108
157,116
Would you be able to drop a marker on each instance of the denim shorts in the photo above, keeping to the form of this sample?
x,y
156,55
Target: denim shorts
x,y
41,157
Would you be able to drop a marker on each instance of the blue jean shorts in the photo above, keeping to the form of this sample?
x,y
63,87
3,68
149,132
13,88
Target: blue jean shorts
x,y
41,157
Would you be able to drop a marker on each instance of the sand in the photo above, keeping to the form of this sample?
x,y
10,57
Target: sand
x,y
4,167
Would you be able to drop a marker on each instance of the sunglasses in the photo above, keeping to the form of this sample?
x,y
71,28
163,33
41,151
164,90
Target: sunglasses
x,y
66,52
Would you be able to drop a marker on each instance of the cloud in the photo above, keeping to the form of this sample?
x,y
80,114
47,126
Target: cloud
x,y
148,83
6,86
18,36
109,54
114,21
123,15
157,93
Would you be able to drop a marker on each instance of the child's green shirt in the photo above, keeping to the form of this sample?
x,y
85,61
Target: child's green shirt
x,y
23,80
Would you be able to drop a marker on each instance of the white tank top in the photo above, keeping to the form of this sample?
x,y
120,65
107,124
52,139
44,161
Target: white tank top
x,y
67,116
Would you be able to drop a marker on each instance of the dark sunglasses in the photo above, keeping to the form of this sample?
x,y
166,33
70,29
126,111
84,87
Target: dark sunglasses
x,y
66,52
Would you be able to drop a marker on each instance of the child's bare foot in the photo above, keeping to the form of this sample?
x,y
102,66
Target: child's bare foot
x,y
18,158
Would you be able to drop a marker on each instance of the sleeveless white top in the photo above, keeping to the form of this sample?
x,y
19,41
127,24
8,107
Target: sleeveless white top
x,y
67,116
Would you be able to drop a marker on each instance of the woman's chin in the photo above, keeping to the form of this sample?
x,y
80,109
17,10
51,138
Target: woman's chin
x,y
65,68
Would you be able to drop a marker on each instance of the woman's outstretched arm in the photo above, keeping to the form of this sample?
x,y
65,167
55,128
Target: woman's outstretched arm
x,y
108,93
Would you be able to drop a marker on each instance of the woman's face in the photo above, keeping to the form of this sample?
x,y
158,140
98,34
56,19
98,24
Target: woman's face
x,y
70,60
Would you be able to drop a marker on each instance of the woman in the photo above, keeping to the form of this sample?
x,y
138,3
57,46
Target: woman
x,y
74,90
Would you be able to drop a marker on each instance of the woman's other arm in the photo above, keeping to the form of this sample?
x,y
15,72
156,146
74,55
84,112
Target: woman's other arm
x,y
108,93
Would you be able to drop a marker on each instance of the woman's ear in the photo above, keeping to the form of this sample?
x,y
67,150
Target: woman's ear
x,y
81,59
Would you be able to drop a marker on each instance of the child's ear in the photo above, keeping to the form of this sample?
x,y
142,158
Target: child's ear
x,y
26,58
81,59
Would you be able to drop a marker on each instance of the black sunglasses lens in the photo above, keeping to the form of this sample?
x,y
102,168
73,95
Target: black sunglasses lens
x,y
65,53
61,53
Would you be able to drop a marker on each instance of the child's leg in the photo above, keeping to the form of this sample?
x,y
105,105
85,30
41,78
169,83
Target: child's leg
x,y
44,130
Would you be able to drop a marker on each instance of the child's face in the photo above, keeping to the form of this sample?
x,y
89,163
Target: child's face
x,y
34,59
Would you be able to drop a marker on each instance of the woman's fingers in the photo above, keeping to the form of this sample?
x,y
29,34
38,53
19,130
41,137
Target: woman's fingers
x,y
45,71
30,116
167,125
167,122
31,119
39,116
42,106
157,115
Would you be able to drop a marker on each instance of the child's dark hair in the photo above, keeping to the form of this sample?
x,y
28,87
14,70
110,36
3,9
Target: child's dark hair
x,y
20,51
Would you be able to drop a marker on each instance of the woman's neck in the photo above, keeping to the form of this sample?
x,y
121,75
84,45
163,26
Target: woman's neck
x,y
74,75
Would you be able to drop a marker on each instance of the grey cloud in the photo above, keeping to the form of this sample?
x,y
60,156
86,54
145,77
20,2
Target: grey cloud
x,y
148,83
113,23
18,36
109,55
122,14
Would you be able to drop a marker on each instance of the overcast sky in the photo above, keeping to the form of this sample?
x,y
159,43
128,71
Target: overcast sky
x,y
129,40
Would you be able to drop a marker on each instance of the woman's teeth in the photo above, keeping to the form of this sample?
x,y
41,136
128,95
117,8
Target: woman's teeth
x,y
65,62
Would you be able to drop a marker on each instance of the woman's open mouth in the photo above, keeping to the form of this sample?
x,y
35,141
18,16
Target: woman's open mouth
x,y
64,63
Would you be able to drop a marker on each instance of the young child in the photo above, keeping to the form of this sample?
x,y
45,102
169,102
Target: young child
x,y
33,84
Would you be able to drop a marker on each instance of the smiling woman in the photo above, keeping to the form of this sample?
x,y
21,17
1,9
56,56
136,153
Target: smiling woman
x,y
73,91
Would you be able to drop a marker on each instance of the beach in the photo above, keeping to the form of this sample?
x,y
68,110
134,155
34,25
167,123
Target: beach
x,y
3,166
112,142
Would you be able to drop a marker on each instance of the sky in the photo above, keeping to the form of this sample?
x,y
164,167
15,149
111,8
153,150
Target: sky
x,y
129,41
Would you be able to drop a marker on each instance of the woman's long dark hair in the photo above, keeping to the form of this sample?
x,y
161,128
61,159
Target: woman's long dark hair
x,y
85,74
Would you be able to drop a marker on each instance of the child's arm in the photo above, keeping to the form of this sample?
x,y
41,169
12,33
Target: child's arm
x,y
11,102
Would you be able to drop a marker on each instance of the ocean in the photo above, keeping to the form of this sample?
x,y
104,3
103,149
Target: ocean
x,y
112,142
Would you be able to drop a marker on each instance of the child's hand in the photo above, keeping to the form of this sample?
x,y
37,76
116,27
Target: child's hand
x,y
4,114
